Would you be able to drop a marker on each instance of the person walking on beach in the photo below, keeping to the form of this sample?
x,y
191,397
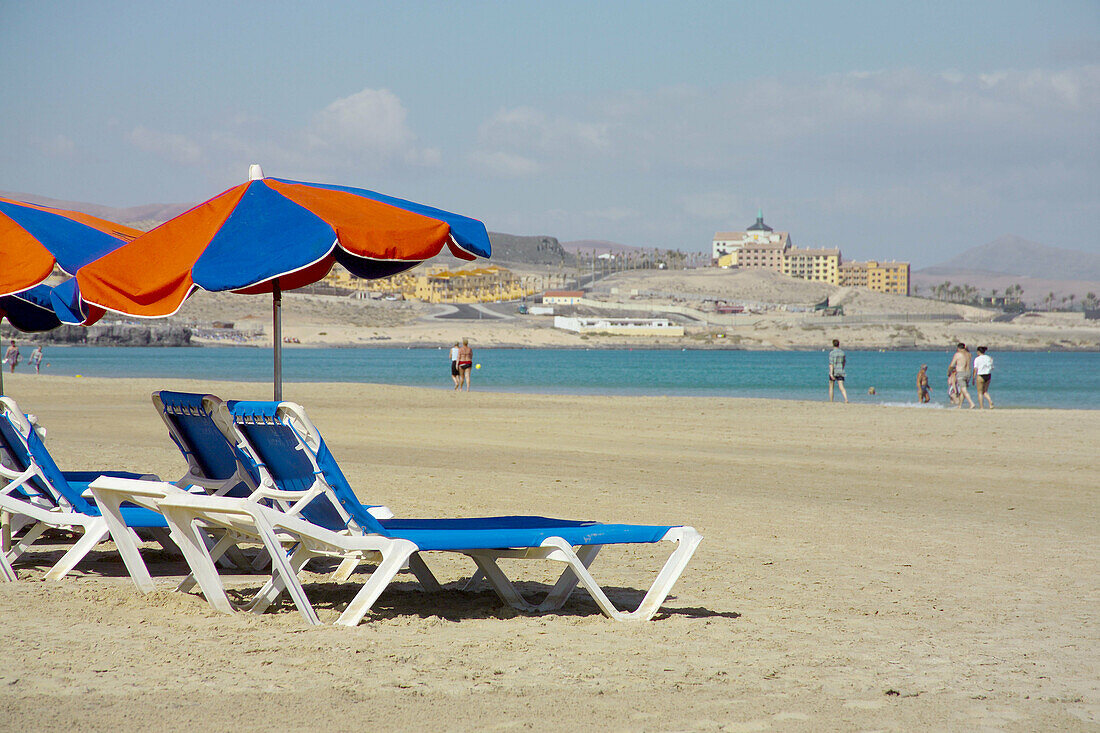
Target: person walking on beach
x,y
961,363
11,356
465,362
837,361
455,375
983,375
923,388
36,359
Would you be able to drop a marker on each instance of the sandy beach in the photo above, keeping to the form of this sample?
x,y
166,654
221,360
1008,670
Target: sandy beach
x,y
862,568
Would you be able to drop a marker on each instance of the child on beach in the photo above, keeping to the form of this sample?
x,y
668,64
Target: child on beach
x,y
923,388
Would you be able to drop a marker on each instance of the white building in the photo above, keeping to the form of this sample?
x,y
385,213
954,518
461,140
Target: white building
x,y
620,326
726,247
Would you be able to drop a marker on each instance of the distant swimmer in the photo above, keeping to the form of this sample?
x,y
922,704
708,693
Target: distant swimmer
x,y
961,363
983,375
924,390
837,362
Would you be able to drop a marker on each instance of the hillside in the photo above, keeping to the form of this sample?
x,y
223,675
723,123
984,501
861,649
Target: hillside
x,y
600,246
1012,260
537,250
145,216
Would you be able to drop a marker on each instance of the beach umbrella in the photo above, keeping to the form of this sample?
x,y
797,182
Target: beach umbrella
x,y
33,240
265,236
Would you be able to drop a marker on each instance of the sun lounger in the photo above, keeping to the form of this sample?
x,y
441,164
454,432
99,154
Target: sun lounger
x,y
213,462
36,490
327,519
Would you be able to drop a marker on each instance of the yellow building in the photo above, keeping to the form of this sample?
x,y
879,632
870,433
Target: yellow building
x,y
818,265
439,285
476,285
882,277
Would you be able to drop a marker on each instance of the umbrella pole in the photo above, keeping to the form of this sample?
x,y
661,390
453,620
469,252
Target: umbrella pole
x,y
277,335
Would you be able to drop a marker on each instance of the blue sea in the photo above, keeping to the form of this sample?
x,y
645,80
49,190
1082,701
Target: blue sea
x,y
1020,379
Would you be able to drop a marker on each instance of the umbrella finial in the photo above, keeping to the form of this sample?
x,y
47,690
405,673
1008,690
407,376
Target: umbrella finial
x,y
255,172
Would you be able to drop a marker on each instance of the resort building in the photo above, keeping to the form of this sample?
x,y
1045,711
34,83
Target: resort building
x,y
562,297
439,285
818,265
758,247
882,277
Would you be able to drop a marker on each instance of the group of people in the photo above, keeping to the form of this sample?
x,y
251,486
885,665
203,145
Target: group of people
x,y
960,374
12,357
462,360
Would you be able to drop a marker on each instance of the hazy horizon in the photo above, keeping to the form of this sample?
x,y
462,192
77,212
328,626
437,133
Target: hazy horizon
x,y
891,131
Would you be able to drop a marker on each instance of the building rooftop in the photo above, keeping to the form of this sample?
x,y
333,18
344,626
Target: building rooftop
x,y
760,226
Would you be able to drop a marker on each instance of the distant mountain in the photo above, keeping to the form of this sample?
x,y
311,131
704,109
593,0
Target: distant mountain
x,y
1011,260
537,250
144,217
600,246
1011,255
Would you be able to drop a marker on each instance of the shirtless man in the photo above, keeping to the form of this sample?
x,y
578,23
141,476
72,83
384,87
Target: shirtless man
x,y
961,362
924,390
465,363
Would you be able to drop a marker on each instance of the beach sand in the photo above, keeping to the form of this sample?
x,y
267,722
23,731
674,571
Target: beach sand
x,y
863,568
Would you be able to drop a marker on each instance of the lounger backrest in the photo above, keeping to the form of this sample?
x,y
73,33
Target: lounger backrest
x,y
190,421
26,448
291,450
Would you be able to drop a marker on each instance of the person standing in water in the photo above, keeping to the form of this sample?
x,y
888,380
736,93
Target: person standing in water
x,y
961,362
11,356
983,375
837,362
465,363
36,359
456,376
924,390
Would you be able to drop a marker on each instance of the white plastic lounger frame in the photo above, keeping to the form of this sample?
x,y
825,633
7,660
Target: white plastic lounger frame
x,y
21,499
189,515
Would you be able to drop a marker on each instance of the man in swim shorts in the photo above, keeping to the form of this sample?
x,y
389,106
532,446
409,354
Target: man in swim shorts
x,y
961,362
837,360
465,362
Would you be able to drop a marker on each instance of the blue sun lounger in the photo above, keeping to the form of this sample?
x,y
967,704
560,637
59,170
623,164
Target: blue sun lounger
x,y
37,490
327,519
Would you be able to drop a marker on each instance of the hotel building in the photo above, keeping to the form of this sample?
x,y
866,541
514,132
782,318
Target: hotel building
x,y
758,247
882,277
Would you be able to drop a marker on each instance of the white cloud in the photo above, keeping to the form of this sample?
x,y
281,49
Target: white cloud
x,y
171,147
57,146
504,165
369,125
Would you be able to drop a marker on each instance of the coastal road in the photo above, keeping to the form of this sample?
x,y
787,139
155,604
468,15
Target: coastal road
x,y
470,312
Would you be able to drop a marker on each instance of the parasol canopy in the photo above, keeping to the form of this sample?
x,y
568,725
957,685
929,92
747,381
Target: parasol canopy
x,y
265,236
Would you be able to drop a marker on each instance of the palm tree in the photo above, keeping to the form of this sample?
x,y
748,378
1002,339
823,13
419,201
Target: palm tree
x,y
1071,299
1090,300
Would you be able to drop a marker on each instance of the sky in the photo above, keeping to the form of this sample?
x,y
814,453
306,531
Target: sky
x,y
893,130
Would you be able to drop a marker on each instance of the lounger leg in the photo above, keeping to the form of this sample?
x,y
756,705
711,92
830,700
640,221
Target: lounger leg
x,y
7,572
687,540
561,591
109,506
285,570
94,532
190,541
164,539
276,585
500,583
27,540
420,569
347,567
474,581
215,551
393,559
5,531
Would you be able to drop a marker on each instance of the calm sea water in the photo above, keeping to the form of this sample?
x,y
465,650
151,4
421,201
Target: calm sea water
x,y
1020,379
